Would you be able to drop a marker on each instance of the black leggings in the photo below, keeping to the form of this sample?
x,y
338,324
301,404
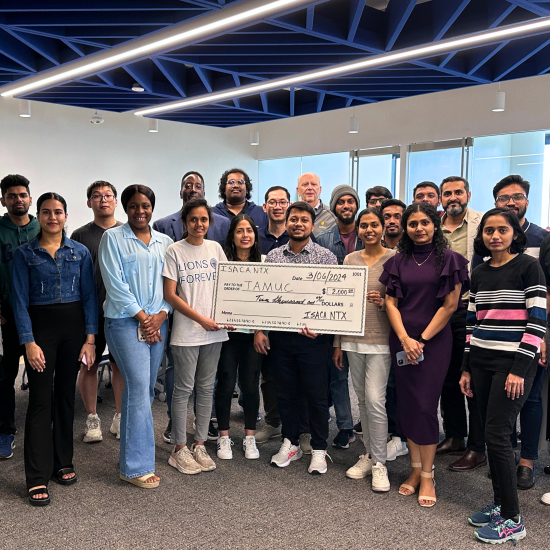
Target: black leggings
x,y
498,414
59,331
238,353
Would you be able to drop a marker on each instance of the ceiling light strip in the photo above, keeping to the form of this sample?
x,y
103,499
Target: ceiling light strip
x,y
225,19
495,35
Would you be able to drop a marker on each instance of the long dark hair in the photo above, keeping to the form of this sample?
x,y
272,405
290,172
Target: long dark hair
x,y
406,245
50,195
255,254
191,205
519,244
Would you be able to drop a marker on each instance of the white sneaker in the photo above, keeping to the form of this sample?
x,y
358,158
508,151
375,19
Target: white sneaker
x,y
318,464
287,454
545,499
184,462
362,469
395,447
224,448
92,431
380,481
202,458
249,447
305,443
115,425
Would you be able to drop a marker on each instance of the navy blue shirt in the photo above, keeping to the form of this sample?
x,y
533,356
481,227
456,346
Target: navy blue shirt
x,y
268,241
39,279
255,212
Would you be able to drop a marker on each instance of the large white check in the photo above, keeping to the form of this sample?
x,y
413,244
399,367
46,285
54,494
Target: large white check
x,y
328,299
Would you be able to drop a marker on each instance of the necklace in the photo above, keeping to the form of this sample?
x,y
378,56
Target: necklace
x,y
424,260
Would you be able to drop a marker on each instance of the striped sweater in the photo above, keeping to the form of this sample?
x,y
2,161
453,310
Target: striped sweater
x,y
506,319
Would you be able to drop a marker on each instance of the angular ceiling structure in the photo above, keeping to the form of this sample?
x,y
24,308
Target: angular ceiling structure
x,y
37,35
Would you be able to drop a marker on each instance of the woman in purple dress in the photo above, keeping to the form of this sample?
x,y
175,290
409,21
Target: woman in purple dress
x,y
424,282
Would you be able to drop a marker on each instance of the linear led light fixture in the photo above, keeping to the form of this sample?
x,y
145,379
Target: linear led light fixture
x,y
509,32
245,12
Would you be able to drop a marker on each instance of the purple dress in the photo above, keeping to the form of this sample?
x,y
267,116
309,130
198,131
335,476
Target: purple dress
x,y
421,292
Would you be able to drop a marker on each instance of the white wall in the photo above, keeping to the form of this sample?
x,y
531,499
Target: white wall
x,y
443,115
57,149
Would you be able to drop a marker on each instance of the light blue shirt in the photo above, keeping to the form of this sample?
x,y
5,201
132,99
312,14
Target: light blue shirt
x,y
132,272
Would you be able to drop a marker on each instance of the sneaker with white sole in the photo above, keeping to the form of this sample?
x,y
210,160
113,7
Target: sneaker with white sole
x,y
92,431
267,432
395,447
318,464
545,499
202,458
115,425
287,454
7,444
184,462
380,481
249,447
362,469
224,448
305,443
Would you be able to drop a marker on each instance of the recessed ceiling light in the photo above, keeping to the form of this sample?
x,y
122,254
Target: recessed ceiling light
x,y
230,17
495,35
137,87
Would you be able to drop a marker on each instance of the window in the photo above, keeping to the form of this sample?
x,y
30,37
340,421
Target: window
x,y
380,166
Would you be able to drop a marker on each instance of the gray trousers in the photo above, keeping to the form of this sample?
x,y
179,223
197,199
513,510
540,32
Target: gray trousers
x,y
194,367
369,374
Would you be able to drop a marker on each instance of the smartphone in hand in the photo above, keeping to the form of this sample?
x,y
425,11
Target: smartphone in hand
x,y
402,359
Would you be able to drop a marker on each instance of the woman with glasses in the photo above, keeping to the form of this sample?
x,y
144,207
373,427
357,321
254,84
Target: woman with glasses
x,y
238,354
55,308
424,281
505,327
131,258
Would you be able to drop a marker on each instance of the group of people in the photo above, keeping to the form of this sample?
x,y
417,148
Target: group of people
x,y
436,330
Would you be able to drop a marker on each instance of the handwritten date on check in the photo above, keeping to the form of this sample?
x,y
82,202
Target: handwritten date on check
x,y
286,297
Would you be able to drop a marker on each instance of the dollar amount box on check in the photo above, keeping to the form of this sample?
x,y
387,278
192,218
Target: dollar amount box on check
x,y
287,297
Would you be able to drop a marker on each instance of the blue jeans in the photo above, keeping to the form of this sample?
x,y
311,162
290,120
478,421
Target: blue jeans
x,y
139,364
339,389
530,418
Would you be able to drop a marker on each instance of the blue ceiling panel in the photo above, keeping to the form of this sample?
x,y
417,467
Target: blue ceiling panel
x,y
37,35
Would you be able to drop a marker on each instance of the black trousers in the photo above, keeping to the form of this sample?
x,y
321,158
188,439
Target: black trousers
x,y
301,369
9,369
238,354
453,402
391,405
499,414
59,331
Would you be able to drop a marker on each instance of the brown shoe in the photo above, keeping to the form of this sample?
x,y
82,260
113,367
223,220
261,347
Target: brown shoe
x,y
451,446
470,461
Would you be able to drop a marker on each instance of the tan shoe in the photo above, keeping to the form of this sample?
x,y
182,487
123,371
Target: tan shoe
x,y
184,461
202,459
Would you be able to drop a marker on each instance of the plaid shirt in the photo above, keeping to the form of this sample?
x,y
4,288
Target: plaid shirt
x,y
312,253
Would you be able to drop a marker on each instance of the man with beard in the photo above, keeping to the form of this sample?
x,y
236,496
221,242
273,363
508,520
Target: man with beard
x,y
301,357
342,240
235,191
192,187
392,212
459,225
512,192
17,227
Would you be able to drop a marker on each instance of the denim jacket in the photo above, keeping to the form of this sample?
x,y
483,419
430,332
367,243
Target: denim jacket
x,y
331,239
39,279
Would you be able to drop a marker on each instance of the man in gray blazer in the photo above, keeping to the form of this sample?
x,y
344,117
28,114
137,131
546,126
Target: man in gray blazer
x,y
192,187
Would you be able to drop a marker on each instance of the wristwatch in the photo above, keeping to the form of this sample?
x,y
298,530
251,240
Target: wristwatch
x,y
421,340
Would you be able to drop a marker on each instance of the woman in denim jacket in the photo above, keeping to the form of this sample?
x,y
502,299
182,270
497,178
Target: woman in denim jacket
x,y
55,309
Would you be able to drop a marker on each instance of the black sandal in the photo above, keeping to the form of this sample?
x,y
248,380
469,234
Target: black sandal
x,y
39,501
63,472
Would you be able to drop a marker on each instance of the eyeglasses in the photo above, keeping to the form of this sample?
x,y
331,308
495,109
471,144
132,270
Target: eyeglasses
x,y
189,186
99,198
374,202
516,197
273,203
233,183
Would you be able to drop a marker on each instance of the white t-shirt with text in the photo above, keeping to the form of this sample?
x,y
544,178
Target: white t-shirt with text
x,y
194,269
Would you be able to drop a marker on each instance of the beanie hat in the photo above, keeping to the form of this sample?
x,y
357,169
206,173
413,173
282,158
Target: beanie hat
x,y
340,191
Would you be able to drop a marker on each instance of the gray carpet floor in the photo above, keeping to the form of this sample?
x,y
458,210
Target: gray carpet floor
x,y
245,504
